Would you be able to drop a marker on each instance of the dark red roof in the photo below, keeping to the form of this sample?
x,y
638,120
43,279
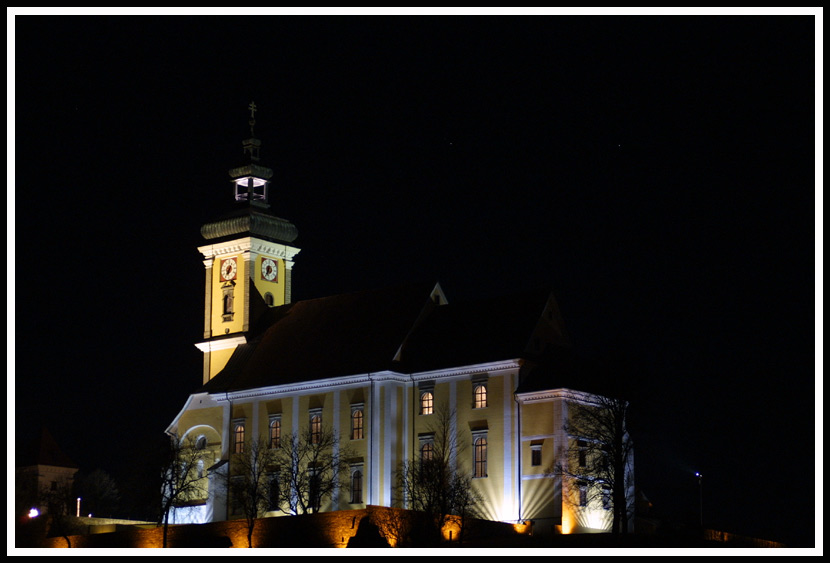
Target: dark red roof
x,y
364,332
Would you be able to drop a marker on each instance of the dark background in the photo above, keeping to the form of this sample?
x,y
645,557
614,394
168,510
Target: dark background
x,y
657,172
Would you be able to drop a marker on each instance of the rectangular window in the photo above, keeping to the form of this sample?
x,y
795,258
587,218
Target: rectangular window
x,y
582,452
536,455
274,491
583,493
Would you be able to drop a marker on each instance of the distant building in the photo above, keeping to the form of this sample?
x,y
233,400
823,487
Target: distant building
x,y
44,476
375,367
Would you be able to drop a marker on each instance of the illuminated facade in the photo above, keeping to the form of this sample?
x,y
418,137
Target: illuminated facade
x,y
376,368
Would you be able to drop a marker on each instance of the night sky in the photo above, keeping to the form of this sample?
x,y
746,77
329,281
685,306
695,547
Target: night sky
x,y
658,173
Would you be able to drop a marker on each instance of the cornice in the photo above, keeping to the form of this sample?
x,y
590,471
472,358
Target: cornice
x,y
477,369
222,344
249,244
552,394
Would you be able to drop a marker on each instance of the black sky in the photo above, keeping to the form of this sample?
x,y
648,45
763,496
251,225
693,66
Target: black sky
x,y
658,173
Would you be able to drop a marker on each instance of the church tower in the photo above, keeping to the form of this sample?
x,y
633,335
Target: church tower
x,y
248,260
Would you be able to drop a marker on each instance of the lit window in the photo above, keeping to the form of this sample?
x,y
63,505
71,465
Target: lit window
x,y
536,455
426,402
480,457
357,487
480,396
274,432
316,428
238,437
357,424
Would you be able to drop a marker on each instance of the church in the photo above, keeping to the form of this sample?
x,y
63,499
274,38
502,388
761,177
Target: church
x,y
376,367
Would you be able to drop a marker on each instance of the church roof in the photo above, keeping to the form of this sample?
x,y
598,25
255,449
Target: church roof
x,y
328,337
400,329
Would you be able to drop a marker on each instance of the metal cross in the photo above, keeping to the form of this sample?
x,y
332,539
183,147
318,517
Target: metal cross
x,y
252,107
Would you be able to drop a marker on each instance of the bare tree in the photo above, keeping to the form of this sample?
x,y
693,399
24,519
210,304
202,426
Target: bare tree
x,y
99,491
313,466
180,477
432,483
252,482
600,454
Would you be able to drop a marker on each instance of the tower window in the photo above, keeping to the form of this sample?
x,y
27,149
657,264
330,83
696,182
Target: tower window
x,y
269,299
201,443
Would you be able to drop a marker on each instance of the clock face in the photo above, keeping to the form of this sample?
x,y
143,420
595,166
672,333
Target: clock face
x,y
269,269
228,269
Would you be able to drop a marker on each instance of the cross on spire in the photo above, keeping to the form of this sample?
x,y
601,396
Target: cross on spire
x,y
252,121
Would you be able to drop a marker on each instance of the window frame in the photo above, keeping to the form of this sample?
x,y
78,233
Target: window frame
x,y
427,402
239,436
357,421
479,455
356,477
274,431
315,425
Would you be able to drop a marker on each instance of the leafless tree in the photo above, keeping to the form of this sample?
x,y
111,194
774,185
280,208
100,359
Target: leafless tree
x,y
180,477
252,482
432,483
313,465
600,454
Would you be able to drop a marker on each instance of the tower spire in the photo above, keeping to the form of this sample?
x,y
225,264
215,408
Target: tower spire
x,y
251,181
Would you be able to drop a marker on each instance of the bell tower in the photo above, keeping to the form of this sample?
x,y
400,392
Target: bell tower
x,y
248,260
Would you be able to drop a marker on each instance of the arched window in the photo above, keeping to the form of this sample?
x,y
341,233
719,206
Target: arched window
x,y
357,424
200,469
357,487
201,442
269,299
316,428
427,451
426,402
274,433
480,396
480,457
238,438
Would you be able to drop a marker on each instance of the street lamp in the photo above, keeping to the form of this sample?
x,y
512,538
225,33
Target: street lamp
x,y
700,488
